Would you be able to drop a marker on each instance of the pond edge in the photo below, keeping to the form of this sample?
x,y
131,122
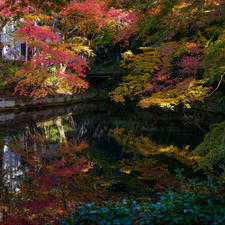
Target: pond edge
x,y
23,103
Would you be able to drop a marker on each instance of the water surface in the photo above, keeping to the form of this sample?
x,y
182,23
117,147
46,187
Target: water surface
x,y
51,159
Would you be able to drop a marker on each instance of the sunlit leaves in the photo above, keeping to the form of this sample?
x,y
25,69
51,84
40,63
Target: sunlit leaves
x,y
181,95
51,58
141,68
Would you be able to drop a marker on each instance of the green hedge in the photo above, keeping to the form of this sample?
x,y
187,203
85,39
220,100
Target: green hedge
x,y
195,203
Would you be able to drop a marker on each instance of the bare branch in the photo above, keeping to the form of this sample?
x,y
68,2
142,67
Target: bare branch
x,y
221,78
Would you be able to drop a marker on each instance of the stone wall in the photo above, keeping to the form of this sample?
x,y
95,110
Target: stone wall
x,y
21,102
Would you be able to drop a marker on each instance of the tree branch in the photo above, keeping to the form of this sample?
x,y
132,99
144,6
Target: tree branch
x,y
221,78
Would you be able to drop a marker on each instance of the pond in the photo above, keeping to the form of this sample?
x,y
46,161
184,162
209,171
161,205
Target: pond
x,y
53,158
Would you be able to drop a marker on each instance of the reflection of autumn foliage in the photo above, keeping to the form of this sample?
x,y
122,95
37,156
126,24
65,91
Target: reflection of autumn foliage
x,y
147,168
146,147
51,177
144,163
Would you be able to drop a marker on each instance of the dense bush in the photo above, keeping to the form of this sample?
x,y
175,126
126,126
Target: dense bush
x,y
194,203
212,150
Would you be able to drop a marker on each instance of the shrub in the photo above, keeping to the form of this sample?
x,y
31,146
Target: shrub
x,y
193,203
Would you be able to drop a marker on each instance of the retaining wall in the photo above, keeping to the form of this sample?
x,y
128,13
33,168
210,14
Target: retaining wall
x,y
21,102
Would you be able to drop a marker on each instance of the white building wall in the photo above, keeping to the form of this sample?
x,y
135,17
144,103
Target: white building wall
x,y
12,48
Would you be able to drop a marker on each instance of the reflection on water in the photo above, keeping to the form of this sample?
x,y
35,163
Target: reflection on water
x,y
50,162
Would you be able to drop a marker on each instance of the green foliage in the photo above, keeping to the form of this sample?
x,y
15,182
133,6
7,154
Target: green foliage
x,y
7,71
106,35
212,149
195,203
215,56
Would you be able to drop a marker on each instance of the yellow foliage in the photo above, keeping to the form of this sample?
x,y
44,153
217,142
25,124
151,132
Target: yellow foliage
x,y
148,169
78,45
147,147
176,96
141,67
145,62
130,87
181,6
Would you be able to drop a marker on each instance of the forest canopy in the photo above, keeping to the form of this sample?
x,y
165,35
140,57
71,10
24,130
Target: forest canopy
x,y
172,51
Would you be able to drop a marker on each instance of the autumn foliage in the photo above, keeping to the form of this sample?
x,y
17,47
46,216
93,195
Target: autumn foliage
x,y
187,40
51,60
60,36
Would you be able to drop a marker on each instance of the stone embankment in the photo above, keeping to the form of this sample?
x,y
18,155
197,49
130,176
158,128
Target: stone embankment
x,y
18,103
